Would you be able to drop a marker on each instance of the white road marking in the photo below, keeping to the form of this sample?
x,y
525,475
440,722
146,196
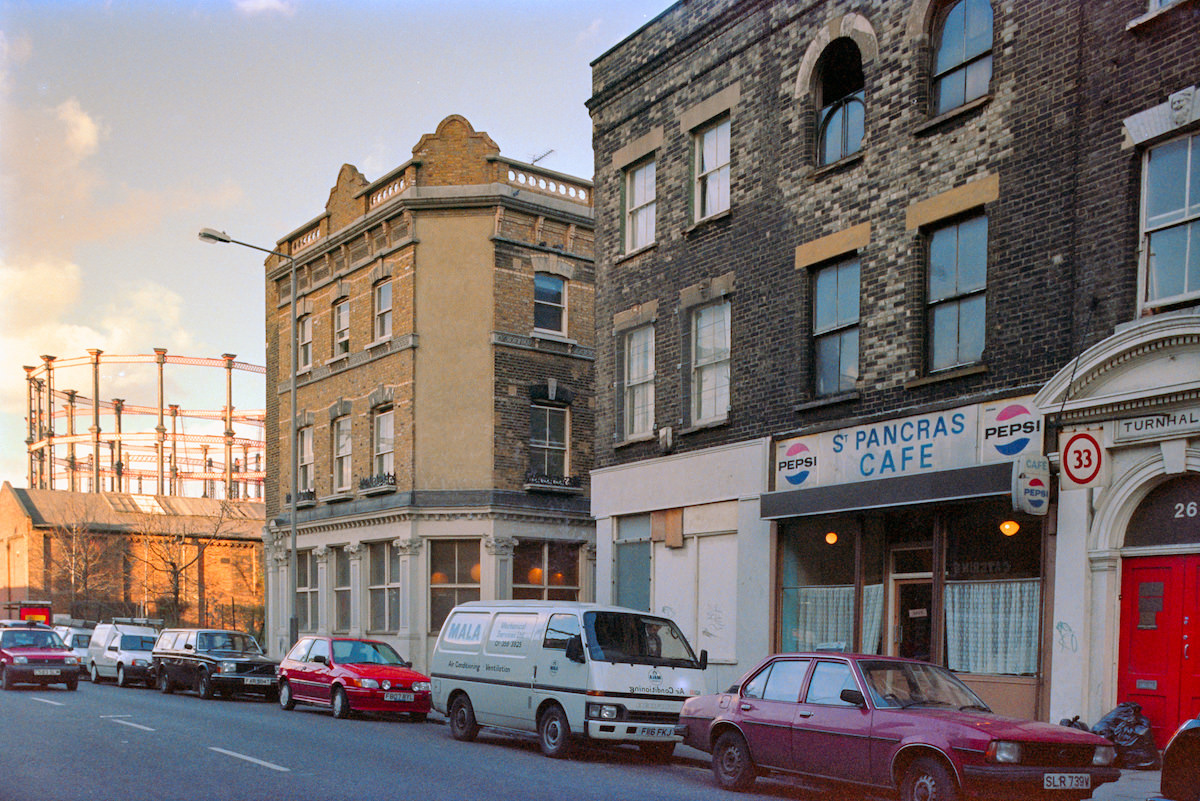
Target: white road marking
x,y
236,755
47,701
131,724
109,717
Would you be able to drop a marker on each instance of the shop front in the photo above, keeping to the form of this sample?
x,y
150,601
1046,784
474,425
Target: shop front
x,y
901,538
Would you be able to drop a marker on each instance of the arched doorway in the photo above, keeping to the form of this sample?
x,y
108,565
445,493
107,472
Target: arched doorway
x,y
1159,661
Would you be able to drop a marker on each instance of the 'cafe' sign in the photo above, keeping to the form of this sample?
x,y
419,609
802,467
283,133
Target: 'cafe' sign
x,y
960,437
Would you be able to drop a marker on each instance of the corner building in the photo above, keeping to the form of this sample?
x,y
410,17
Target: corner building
x,y
445,338
841,250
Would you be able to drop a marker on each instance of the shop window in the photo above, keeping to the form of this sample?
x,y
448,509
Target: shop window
x,y
384,586
546,571
549,303
454,574
841,120
307,609
304,333
962,55
710,362
639,382
341,328
957,293
383,310
712,169
548,441
633,569
835,327
341,589
817,588
639,206
1171,221
342,448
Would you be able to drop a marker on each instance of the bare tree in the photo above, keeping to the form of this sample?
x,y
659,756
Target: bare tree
x,y
84,564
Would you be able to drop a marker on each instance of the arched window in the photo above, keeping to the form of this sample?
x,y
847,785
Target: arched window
x,y
840,122
962,55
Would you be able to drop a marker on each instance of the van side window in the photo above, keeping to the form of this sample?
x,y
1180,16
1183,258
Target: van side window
x,y
560,630
190,640
166,641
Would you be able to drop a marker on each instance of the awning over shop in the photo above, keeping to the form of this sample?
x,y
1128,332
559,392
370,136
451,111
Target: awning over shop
x,y
981,481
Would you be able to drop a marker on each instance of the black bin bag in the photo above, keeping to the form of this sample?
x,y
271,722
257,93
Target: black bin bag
x,y
1129,730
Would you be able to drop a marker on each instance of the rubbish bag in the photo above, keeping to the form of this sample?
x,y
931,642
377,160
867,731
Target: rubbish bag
x,y
1129,731
1074,723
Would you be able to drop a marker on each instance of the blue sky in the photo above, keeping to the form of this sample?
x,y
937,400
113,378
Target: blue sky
x,y
126,126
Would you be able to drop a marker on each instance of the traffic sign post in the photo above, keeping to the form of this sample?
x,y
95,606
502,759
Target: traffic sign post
x,y
1083,462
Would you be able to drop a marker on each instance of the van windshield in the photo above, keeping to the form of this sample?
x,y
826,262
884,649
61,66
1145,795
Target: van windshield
x,y
637,639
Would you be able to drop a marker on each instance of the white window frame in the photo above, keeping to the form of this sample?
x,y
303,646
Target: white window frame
x,y
304,333
383,441
383,595
307,590
342,610
461,590
638,387
840,324
714,369
382,295
342,443
304,458
713,149
341,328
545,584
547,446
561,306
1183,219
640,205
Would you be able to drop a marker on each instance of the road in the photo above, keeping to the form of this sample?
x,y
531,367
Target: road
x,y
105,743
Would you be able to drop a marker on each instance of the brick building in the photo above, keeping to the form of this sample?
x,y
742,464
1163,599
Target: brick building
x,y
445,368
841,249
94,556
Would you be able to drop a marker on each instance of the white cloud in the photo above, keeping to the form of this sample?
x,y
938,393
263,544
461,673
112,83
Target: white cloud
x,y
590,33
82,132
251,7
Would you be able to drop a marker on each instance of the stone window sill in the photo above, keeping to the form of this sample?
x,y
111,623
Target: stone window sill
x,y
966,108
829,400
946,375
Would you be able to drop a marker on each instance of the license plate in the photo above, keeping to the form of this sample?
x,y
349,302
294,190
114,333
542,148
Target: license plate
x,y
258,680
398,697
656,731
46,672
1066,781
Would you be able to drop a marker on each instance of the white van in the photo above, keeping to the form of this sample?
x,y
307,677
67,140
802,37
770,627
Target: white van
x,y
563,670
121,650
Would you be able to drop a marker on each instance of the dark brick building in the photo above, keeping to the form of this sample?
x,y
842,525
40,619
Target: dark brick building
x,y
841,248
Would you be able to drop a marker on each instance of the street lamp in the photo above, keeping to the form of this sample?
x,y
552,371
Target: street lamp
x,y
213,235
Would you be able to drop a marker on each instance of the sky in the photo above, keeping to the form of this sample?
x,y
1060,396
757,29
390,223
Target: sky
x,y
126,126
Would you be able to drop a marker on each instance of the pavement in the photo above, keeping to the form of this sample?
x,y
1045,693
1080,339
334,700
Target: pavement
x,y
1134,785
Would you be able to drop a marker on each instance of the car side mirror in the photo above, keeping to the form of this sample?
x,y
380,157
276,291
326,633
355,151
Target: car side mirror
x,y
320,659
112,647
853,697
575,649
703,659
187,646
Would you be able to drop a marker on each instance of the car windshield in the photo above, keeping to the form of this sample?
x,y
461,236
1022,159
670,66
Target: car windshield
x,y
31,638
365,652
901,685
136,642
638,639
227,642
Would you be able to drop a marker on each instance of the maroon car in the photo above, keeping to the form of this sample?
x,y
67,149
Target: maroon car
x,y
896,725
35,654
351,675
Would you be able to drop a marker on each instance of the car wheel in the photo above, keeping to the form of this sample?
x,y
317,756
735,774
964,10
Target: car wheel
x,y
73,683
462,719
165,685
122,681
7,680
418,717
657,752
286,701
554,733
731,762
95,674
927,779
341,704
204,685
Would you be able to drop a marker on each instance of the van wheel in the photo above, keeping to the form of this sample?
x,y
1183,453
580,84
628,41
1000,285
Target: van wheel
x,y
122,681
462,719
341,704
95,674
657,752
165,685
204,685
286,702
554,733
731,763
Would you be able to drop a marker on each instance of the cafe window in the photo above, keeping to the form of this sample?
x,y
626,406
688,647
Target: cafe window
x,y
546,571
454,574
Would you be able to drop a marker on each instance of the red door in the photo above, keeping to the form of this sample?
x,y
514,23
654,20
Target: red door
x,y
1160,640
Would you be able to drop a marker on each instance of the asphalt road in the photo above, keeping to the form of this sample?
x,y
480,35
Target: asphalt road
x,y
105,743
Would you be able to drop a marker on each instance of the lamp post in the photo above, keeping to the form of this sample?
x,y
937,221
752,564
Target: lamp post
x,y
213,235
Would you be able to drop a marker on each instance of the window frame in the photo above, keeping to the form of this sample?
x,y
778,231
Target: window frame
x,y
640,208
721,171
1184,218
305,458
462,590
561,306
342,590
382,314
307,591
341,444
547,446
632,385
840,326
304,349
383,460
698,370
388,589
938,77
958,298
341,328
545,589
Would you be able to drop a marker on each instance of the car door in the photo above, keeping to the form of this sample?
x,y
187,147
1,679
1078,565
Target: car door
x,y
767,707
832,737
189,660
555,676
318,673
291,668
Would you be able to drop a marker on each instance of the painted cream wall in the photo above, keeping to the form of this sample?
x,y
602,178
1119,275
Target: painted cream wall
x,y
453,406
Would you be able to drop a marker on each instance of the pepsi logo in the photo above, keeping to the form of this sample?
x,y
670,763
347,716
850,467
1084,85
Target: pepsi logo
x,y
1036,493
1012,430
797,463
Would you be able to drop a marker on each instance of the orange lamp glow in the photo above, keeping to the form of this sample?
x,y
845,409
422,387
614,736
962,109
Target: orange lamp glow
x,y
831,538
476,572
535,575
1009,527
439,578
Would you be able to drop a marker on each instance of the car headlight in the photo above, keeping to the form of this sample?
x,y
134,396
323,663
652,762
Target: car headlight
x,y
72,660
1004,751
20,660
421,687
603,711
1105,755
370,684
229,667
141,663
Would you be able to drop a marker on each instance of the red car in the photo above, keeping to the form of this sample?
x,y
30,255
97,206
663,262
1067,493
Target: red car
x,y
351,675
882,723
35,654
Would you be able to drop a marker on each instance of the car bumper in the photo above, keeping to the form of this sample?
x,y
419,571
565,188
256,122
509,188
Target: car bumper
x,y
633,732
43,674
245,684
368,700
1004,781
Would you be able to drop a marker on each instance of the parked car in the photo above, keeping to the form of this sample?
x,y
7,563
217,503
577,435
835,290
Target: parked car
x,y
348,675
896,725
212,661
1181,765
122,651
76,638
35,654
